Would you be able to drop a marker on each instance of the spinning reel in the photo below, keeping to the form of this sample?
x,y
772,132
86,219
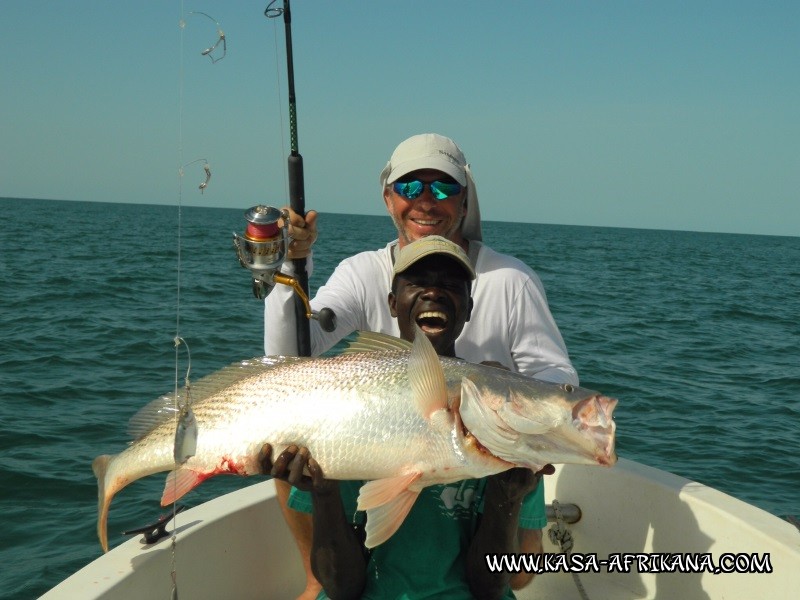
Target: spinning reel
x,y
262,250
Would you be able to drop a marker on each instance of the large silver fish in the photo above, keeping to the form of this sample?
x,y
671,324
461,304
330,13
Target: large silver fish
x,y
398,415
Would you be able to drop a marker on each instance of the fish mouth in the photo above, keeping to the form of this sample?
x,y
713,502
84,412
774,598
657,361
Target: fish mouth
x,y
432,322
594,416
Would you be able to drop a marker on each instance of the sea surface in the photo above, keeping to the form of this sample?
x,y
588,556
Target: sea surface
x,y
697,334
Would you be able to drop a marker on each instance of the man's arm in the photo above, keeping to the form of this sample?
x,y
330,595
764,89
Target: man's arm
x,y
280,338
279,317
536,343
530,542
342,293
336,554
499,532
301,527
280,329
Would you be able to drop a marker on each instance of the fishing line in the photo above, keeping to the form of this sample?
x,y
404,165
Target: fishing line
x,y
174,540
185,423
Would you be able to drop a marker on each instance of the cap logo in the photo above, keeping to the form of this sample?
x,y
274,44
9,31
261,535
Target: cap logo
x,y
448,155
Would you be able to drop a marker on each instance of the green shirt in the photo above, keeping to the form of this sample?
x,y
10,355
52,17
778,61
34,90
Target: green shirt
x,y
426,557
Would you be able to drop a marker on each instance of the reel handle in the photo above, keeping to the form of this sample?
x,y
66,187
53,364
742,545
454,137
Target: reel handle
x,y
326,317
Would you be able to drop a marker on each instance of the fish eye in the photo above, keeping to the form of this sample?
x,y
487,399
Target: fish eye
x,y
568,387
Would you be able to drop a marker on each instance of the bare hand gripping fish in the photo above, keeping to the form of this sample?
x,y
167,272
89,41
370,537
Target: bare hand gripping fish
x,y
386,411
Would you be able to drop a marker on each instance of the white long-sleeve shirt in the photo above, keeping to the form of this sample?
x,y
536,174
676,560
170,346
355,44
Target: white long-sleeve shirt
x,y
510,323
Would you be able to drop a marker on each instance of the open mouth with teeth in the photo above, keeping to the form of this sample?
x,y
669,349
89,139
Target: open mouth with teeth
x,y
432,321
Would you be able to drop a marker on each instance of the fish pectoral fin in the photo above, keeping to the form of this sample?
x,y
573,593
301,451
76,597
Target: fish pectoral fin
x,y
426,376
179,483
382,491
383,521
387,502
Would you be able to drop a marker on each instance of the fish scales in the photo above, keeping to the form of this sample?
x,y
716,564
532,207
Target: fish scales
x,y
339,407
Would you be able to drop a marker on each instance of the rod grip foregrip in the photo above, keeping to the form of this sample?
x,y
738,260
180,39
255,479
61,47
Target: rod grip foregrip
x,y
297,196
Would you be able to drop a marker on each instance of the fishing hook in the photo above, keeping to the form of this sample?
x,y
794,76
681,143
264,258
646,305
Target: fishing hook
x,y
271,13
204,184
220,39
185,444
178,341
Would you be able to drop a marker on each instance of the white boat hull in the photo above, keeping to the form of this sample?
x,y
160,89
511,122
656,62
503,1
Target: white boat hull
x,y
238,547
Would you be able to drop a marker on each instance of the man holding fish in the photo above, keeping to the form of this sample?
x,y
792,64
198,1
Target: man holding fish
x,y
428,189
389,412
501,513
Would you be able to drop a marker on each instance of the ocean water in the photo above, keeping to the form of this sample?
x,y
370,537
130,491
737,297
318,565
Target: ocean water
x,y
697,334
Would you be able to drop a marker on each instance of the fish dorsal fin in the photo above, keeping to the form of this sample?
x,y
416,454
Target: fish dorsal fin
x,y
163,409
371,341
153,414
426,376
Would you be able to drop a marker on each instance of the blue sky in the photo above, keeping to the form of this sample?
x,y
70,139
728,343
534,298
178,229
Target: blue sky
x,y
667,115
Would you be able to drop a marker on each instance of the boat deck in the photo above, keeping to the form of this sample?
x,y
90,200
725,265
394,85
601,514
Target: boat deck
x,y
238,547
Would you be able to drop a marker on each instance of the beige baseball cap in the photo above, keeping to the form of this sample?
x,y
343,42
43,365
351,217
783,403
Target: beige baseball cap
x,y
432,244
426,151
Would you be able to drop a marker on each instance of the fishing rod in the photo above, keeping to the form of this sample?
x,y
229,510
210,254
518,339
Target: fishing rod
x,y
297,199
263,247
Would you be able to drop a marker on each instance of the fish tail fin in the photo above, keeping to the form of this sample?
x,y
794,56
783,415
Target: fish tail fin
x,y
179,483
100,467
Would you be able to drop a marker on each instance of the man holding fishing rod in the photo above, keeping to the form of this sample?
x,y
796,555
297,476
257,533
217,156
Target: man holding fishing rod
x,y
502,513
428,189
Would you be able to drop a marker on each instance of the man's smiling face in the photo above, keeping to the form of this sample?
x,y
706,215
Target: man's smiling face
x,y
425,215
434,293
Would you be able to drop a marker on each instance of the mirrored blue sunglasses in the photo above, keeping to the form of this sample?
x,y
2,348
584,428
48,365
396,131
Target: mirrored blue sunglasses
x,y
440,190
